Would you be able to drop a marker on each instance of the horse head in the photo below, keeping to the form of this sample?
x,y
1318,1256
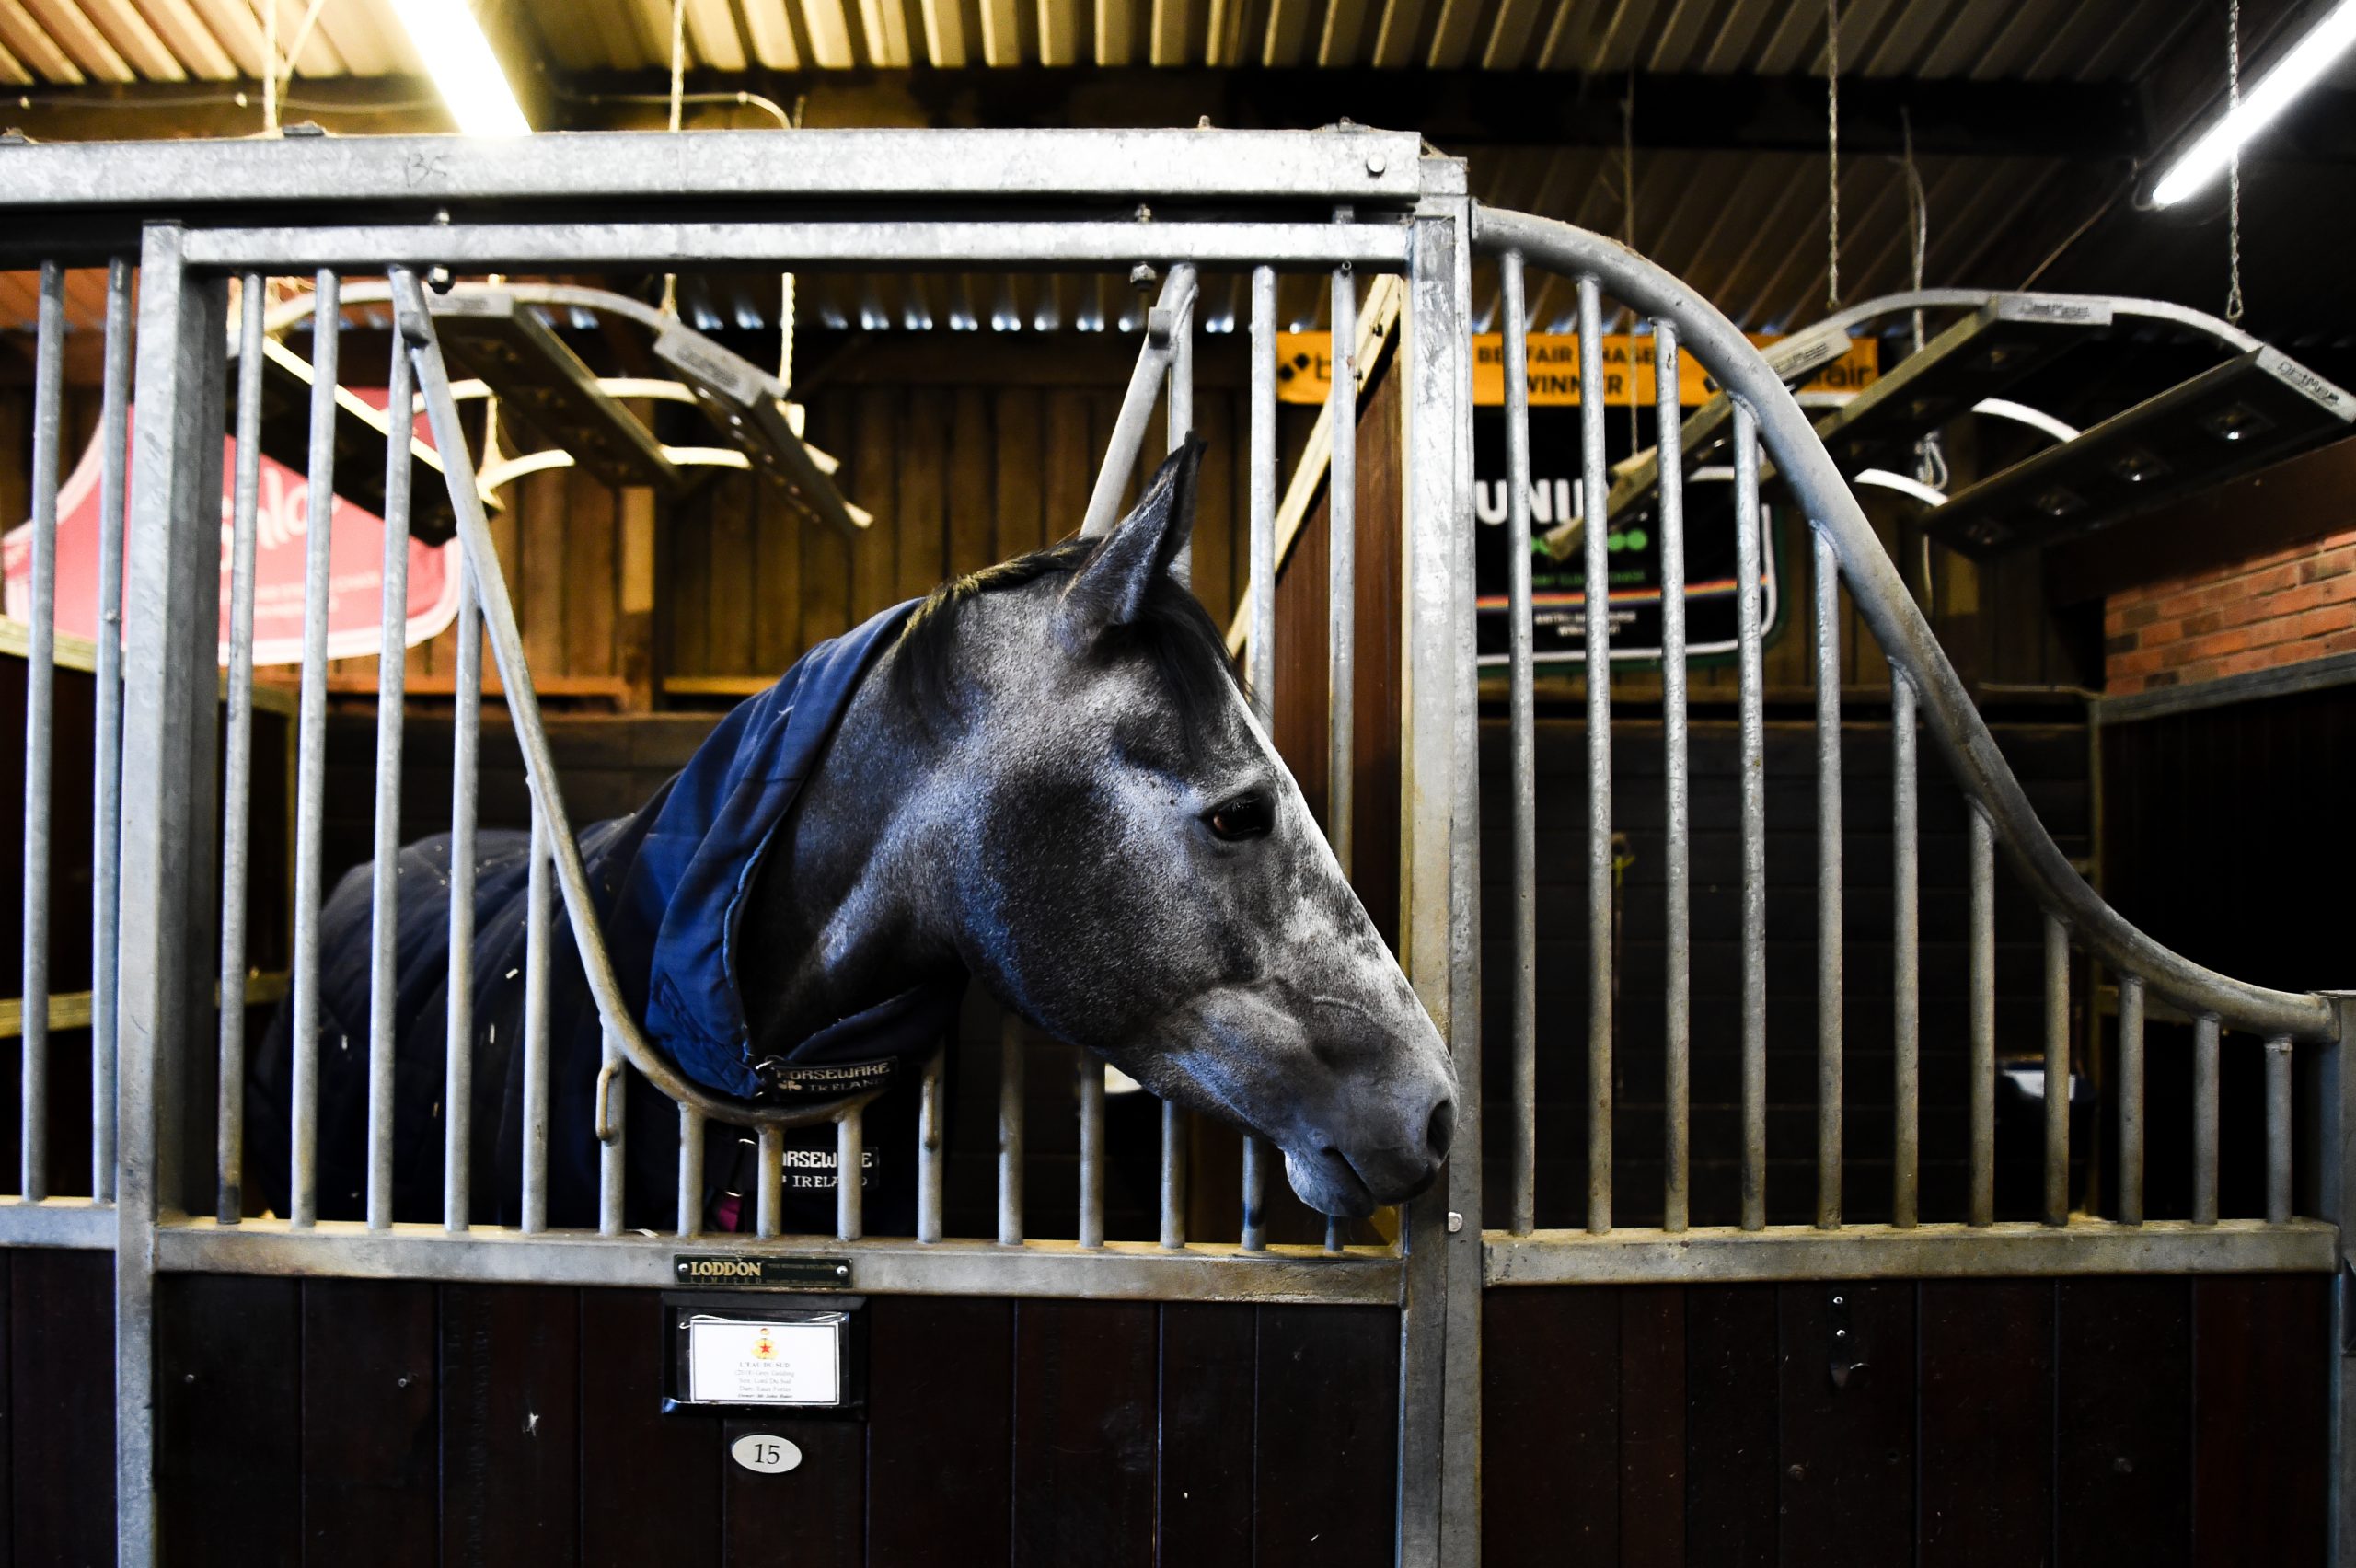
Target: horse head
x,y
1115,851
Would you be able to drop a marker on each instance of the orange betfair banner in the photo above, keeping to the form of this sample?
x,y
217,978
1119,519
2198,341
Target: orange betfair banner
x,y
1305,368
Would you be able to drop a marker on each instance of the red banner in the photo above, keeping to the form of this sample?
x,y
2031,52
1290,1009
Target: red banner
x,y
282,518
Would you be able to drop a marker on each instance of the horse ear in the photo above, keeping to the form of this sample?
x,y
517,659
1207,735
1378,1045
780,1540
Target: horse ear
x,y
1110,590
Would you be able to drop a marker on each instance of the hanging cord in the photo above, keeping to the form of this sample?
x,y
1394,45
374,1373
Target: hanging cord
x,y
2234,166
1832,154
1930,461
678,83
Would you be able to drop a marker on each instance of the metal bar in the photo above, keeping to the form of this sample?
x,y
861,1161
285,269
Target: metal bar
x,y
807,247
106,827
2278,1131
535,1025
1179,406
1523,725
613,1145
1897,624
2333,1169
41,700
1256,1193
1596,612
1134,1271
1440,1375
1677,848
1721,1255
458,1045
1983,1019
1906,942
851,1175
310,786
1828,882
768,1207
1175,306
930,1148
392,694
691,1130
2131,1100
236,762
1092,1150
1342,578
1347,165
1260,654
174,536
1009,1135
2204,1120
2057,1072
1174,1176
1750,641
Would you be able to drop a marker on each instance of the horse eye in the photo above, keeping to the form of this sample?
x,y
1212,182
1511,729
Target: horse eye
x,y
1246,816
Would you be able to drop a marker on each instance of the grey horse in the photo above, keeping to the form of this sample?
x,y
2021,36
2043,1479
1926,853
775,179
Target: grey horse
x,y
1053,780
1044,778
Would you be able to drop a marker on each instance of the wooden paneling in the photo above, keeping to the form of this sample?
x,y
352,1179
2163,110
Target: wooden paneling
x,y
370,1455
2261,1358
1987,1463
228,1409
940,1429
2122,1474
630,1451
1085,1375
2156,1420
511,1429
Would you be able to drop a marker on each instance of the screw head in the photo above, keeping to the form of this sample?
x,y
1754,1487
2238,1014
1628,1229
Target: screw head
x,y
1455,1222
1375,164
842,1271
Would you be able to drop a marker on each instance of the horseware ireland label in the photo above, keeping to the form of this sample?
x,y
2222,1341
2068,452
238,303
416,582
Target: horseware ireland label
x,y
727,1268
736,1362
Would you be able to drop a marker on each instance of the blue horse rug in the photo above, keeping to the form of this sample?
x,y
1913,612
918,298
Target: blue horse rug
x,y
670,882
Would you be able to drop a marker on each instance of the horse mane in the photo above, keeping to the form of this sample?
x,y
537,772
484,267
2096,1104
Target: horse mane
x,y
1172,629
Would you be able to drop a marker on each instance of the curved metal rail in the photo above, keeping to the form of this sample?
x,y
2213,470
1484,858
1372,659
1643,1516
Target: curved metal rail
x,y
1905,635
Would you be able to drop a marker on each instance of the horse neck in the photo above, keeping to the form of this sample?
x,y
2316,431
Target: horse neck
x,y
837,920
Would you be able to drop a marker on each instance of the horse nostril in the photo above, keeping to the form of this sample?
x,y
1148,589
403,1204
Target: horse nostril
x,y
1443,1128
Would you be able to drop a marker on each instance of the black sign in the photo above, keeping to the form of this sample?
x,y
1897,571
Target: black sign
x,y
702,1269
1558,588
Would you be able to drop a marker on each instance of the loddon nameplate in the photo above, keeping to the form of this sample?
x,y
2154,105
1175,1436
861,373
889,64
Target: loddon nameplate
x,y
705,1269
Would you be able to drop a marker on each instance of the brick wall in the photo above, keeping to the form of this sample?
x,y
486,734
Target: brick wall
x,y
2283,608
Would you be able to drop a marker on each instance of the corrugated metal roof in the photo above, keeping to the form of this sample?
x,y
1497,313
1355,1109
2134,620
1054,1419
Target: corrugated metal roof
x,y
72,41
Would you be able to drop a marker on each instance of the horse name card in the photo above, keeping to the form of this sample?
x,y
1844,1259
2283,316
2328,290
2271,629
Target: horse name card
x,y
764,1362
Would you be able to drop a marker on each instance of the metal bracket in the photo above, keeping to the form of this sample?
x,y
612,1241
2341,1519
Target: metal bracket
x,y
1847,1351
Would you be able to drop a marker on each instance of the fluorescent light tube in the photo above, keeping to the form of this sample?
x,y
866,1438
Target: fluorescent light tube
x,y
465,71
2262,105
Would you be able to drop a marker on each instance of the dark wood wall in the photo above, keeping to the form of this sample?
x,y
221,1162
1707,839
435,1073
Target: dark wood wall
x,y
340,1422
2140,1421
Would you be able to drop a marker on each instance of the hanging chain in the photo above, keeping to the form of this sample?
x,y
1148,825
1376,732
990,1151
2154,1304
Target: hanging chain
x,y
678,75
1832,154
2233,168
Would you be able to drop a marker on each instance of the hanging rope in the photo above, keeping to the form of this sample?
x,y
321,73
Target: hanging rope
x,y
678,84
1832,154
2233,168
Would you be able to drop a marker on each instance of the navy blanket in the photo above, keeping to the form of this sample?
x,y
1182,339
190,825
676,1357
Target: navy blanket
x,y
670,882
